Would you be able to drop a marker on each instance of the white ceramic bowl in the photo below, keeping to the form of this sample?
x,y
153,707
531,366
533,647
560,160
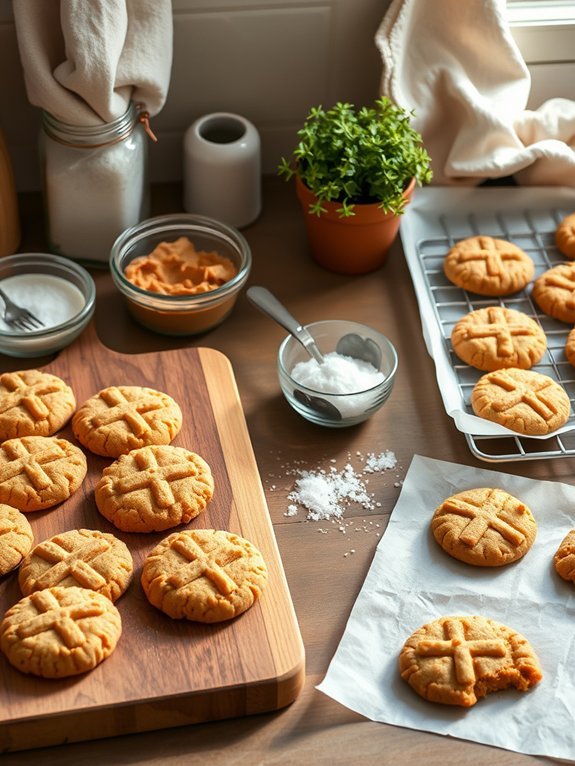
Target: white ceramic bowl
x,y
335,410
44,276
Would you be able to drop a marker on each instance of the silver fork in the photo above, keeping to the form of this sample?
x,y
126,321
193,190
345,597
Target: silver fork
x,y
18,317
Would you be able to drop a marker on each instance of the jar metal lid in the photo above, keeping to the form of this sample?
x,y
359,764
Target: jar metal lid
x,y
92,135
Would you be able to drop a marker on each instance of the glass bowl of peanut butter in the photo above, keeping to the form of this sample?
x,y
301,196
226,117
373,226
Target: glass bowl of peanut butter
x,y
180,274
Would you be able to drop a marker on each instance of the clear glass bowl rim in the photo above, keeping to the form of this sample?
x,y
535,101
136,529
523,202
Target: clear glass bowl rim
x,y
169,224
45,259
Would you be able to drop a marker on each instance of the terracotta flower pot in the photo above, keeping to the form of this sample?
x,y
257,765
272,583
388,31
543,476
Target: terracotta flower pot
x,y
354,245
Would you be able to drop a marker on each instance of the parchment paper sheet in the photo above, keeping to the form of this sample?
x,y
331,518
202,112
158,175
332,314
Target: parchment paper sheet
x,y
412,581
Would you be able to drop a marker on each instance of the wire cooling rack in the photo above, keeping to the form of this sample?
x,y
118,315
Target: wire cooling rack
x,y
533,230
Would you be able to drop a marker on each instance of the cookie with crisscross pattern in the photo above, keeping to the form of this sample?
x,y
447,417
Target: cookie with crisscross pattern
x,y
16,538
154,488
86,558
37,472
524,401
496,337
205,575
33,403
554,292
564,558
488,266
457,660
60,632
565,236
486,527
122,418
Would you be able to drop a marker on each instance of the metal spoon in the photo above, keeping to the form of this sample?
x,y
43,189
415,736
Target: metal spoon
x,y
269,304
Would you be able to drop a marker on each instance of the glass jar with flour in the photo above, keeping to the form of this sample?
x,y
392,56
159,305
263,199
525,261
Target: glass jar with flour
x,y
95,183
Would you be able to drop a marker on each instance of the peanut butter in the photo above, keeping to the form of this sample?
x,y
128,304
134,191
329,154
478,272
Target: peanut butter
x,y
177,268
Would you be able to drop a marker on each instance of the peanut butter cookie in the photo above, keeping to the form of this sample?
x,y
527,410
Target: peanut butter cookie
x,y
59,632
33,403
205,575
485,527
37,472
554,292
16,538
565,236
458,660
86,558
521,400
564,559
154,488
495,337
122,418
570,347
488,266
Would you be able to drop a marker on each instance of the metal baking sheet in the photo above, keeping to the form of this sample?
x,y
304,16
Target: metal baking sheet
x,y
528,216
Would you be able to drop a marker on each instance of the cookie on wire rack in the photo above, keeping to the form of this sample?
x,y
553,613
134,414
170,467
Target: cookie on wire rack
x,y
488,266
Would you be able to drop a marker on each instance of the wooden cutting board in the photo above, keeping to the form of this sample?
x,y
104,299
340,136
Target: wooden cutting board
x,y
164,672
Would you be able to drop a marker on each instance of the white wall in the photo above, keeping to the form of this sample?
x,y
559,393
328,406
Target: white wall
x,y
270,60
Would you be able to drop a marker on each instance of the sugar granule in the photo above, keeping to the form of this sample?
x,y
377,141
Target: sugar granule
x,y
382,462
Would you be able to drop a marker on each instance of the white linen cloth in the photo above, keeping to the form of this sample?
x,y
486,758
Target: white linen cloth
x,y
458,67
84,61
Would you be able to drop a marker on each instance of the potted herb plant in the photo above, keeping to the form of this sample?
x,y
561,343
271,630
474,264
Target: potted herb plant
x,y
355,171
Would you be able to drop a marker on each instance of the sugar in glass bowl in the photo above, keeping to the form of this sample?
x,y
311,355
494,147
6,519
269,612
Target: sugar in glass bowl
x,y
173,314
336,410
59,292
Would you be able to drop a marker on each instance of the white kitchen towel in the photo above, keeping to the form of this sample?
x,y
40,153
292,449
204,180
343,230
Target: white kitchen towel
x,y
458,67
84,61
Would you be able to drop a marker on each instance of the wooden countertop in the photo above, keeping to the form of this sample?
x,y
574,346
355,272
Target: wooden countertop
x,y
323,580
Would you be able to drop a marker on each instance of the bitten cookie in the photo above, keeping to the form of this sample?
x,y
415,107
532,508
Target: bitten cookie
x,y
522,400
122,418
16,538
565,236
154,488
457,660
205,575
554,292
488,266
564,558
60,632
33,403
86,558
37,472
495,337
485,527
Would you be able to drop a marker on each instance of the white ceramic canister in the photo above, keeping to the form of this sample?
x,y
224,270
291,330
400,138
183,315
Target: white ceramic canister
x,y
95,183
222,169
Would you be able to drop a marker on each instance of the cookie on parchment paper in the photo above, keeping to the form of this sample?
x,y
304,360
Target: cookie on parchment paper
x,y
564,558
37,472
485,526
554,292
16,538
488,266
59,632
496,337
86,558
457,660
154,488
33,403
565,236
205,575
524,401
122,418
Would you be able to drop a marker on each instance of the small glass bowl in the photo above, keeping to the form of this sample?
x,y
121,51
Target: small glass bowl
x,y
335,410
49,339
180,314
